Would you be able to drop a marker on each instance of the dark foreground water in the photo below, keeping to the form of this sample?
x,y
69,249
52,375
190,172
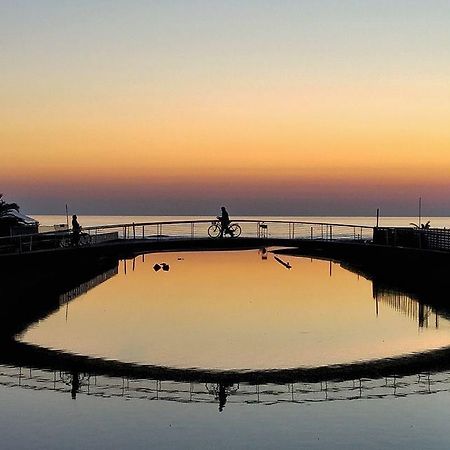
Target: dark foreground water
x,y
206,330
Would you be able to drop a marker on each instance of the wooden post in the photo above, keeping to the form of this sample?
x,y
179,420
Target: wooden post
x,y
378,217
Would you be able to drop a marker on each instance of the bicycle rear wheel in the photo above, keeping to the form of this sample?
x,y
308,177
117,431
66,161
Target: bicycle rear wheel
x,y
235,230
65,242
214,230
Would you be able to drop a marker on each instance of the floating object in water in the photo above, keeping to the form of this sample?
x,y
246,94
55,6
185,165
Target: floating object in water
x,y
285,264
163,266
263,253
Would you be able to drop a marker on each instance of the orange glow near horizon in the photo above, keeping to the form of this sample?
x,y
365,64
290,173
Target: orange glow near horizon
x,y
349,138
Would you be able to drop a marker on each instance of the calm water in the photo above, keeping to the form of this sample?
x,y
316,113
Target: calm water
x,y
236,310
221,311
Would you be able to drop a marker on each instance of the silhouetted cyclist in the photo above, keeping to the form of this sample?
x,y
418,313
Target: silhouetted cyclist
x,y
224,222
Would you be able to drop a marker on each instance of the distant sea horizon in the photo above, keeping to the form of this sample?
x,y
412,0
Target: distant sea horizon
x,y
103,219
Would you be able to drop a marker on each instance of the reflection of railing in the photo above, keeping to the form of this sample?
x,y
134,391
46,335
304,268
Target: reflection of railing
x,y
88,285
190,229
187,392
403,303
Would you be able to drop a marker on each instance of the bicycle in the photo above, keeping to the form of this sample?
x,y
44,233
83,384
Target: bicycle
x,y
85,239
215,230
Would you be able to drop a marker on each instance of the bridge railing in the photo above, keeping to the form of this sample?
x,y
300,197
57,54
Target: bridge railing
x,y
190,229
421,238
250,228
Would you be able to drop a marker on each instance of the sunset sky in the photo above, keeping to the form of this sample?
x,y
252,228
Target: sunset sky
x,y
269,107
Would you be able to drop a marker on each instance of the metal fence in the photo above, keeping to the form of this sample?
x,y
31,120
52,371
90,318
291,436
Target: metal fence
x,y
188,229
431,239
421,238
250,228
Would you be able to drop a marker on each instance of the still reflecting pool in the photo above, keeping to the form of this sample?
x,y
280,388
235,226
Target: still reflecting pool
x,y
238,310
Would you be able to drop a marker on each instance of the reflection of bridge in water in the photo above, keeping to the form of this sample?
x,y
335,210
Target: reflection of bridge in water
x,y
410,307
239,393
83,288
32,367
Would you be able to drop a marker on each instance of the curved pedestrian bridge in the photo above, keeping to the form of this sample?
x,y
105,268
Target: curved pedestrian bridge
x,y
146,236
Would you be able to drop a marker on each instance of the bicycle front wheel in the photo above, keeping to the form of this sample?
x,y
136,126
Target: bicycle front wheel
x,y
214,230
235,230
65,242
85,239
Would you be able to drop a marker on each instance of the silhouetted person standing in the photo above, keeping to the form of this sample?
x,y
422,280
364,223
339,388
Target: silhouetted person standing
x,y
222,396
76,231
224,221
75,385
